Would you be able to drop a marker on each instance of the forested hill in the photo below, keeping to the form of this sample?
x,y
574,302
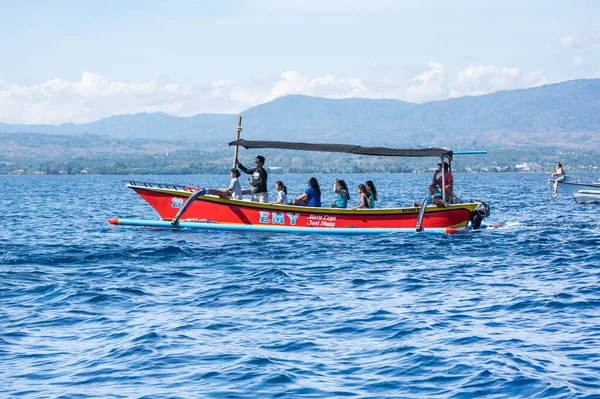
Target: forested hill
x,y
565,112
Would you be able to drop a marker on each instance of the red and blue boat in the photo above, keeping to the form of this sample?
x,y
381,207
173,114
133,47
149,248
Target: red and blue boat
x,y
190,207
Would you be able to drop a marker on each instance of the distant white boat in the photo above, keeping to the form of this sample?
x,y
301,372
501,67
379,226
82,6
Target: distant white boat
x,y
582,193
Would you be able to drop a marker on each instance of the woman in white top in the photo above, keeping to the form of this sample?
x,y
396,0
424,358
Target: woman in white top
x,y
282,198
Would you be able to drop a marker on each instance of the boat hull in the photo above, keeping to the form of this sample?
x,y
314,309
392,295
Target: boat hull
x,y
208,210
582,193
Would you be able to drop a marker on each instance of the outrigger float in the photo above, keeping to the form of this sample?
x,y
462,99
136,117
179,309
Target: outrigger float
x,y
192,208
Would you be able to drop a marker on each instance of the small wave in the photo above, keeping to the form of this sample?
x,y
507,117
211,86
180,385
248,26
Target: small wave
x,y
279,379
100,298
132,291
347,330
7,258
293,347
362,281
266,292
272,274
148,337
259,361
409,332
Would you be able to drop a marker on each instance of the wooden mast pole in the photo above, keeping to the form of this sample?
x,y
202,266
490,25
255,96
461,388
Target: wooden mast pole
x,y
237,137
443,179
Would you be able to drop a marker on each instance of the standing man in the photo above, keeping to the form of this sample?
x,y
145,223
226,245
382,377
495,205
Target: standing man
x,y
435,190
258,180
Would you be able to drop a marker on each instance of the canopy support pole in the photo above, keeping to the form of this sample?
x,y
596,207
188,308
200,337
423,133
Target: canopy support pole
x,y
237,137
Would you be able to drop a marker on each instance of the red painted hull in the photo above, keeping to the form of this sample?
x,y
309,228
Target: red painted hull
x,y
168,201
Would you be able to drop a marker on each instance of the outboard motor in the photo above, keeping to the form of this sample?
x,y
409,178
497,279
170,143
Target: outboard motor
x,y
479,213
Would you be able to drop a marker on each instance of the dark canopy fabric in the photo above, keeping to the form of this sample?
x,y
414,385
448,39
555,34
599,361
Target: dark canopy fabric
x,y
348,148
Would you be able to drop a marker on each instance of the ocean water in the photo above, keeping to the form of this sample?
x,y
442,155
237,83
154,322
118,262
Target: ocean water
x,y
91,310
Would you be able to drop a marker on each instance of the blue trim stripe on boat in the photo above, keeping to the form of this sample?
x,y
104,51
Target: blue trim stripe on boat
x,y
274,229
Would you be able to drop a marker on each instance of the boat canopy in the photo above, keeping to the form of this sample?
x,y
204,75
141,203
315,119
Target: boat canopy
x,y
347,148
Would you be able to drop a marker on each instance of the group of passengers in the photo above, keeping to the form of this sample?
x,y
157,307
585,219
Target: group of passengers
x,y
312,195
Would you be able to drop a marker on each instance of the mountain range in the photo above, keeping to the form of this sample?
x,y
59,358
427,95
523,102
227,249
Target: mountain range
x,y
563,114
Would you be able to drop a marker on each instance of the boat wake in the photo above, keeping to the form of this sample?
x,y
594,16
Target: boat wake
x,y
558,225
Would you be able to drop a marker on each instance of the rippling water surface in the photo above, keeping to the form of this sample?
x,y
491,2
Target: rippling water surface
x,y
91,310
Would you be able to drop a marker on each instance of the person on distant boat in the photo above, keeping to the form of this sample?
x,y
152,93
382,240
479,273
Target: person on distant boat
x,y
435,189
341,189
558,175
364,197
282,197
312,195
234,191
372,192
258,180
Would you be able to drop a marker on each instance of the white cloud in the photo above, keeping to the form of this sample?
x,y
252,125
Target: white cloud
x,y
219,87
434,84
565,42
589,39
428,85
483,79
94,96
331,86
291,82
91,98
338,87
534,78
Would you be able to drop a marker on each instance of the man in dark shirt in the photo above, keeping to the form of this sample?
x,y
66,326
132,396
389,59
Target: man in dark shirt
x,y
258,180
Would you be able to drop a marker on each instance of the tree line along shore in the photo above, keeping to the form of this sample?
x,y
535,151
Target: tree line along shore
x,y
42,154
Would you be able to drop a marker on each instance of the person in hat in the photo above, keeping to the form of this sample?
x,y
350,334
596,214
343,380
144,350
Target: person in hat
x,y
435,190
258,180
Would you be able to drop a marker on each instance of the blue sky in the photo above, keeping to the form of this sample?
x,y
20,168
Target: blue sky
x,y
79,61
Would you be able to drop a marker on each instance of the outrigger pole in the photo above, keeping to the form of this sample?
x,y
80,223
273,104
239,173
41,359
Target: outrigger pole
x,y
237,137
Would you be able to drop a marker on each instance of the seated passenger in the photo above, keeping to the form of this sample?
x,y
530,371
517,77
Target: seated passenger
x,y
312,195
341,189
234,191
364,197
372,193
560,175
436,188
281,194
